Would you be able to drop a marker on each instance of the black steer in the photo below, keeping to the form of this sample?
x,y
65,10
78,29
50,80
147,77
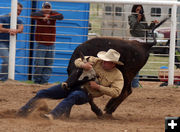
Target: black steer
x,y
134,55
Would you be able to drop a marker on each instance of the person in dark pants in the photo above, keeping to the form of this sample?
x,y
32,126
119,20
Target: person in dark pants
x,y
5,33
45,37
110,83
138,30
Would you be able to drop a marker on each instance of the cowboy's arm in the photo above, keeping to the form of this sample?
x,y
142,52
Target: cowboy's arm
x,y
114,90
88,65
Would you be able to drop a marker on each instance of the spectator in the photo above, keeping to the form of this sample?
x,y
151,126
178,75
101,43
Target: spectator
x,y
138,30
5,33
110,83
45,36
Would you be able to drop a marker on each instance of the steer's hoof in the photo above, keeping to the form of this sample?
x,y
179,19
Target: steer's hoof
x,y
107,117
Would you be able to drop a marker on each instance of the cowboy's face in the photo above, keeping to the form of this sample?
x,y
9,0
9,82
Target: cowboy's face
x,y
108,65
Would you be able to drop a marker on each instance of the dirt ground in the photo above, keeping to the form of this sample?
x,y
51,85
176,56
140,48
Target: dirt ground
x,y
143,111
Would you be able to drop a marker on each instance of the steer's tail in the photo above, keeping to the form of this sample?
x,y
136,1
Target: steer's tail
x,y
159,24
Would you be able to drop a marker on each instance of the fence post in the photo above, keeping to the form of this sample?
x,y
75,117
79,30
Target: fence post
x,y
12,42
178,27
172,45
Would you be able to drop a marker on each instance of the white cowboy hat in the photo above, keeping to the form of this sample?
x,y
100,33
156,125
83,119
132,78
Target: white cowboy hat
x,y
111,55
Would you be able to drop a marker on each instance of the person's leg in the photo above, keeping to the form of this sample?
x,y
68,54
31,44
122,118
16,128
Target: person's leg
x,y
39,62
49,59
4,54
77,97
177,58
135,81
55,92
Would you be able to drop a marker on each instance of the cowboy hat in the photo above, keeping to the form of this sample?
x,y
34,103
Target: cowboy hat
x,y
111,55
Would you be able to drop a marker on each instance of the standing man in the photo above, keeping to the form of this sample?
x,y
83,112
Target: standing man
x,y
45,37
5,32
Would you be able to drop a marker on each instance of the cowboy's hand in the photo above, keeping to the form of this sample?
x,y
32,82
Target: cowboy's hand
x,y
86,66
94,85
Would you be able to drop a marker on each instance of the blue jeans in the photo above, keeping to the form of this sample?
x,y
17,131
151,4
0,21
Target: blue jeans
x,y
4,54
43,63
77,96
135,81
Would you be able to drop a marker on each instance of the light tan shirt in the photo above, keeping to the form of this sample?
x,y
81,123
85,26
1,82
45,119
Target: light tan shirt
x,y
111,82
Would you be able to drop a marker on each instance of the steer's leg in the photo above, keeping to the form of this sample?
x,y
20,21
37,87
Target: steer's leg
x,y
115,102
95,108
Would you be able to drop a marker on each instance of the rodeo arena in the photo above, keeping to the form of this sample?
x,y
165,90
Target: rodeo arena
x,y
47,45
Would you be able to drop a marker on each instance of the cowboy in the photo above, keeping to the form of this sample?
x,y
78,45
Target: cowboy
x,y
110,83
